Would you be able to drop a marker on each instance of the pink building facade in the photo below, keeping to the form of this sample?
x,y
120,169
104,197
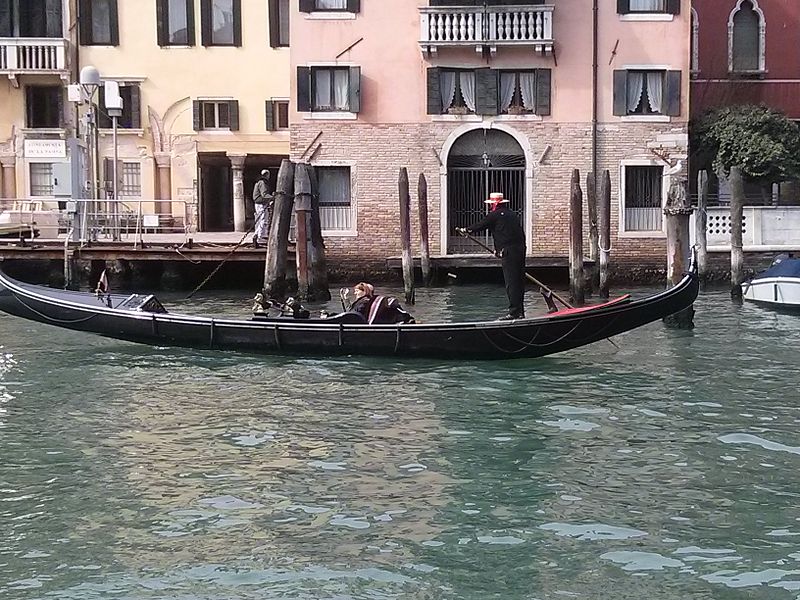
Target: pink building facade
x,y
479,97
743,51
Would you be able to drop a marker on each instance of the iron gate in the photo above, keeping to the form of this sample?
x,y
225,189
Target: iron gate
x,y
481,161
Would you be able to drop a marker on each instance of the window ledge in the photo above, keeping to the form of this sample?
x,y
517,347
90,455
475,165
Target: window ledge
x,y
646,118
469,118
49,131
519,117
333,15
331,116
647,17
121,131
333,233
642,234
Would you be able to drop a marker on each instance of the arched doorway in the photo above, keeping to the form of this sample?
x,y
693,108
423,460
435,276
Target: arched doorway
x,y
481,161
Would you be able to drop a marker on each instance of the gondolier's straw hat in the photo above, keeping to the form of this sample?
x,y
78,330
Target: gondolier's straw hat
x,y
495,198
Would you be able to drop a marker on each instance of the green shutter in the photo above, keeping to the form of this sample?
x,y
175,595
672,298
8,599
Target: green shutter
x,y
353,6
486,91
434,92
205,22
543,93
53,19
274,23
85,22
355,89
136,106
233,108
270,113
672,93
307,6
197,108
674,7
162,22
303,89
114,24
6,19
623,7
620,93
237,23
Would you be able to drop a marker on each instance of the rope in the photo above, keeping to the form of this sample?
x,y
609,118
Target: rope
x,y
49,318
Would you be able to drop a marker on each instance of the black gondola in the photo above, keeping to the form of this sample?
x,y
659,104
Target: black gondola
x,y
142,319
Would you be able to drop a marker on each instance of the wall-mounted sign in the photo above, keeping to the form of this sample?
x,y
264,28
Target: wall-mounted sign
x,y
45,149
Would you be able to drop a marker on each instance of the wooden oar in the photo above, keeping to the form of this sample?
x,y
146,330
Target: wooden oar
x,y
545,291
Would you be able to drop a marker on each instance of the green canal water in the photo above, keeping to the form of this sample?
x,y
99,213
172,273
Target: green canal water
x,y
666,469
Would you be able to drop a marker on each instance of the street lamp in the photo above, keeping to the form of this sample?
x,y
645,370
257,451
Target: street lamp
x,y
89,80
114,105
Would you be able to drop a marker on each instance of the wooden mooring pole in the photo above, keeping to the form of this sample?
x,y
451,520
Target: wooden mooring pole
x,y
275,285
677,211
576,275
701,225
318,269
604,233
424,249
302,211
594,241
737,251
405,236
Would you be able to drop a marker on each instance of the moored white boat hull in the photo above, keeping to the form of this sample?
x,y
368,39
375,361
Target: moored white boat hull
x,y
775,291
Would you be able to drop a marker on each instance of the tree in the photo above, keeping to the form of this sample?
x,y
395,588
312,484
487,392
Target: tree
x,y
761,141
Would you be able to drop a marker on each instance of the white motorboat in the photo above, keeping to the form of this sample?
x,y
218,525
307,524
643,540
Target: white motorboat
x,y
778,286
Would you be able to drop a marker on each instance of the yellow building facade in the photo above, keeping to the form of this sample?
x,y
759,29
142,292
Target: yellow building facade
x,y
205,89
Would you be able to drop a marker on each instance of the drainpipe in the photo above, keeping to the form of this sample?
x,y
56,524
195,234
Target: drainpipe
x,y
594,92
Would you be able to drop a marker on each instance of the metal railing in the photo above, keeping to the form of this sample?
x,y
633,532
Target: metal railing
x,y
33,55
98,220
486,25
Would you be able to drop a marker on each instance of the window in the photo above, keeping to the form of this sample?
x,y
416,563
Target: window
x,y
175,21
335,207
131,108
519,92
329,89
277,114
31,18
642,92
643,194
41,179
746,39
488,91
278,23
694,44
672,7
131,180
98,22
352,6
43,105
216,114
221,22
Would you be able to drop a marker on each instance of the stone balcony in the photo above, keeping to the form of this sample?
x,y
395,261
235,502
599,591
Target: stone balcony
x,y
31,56
528,26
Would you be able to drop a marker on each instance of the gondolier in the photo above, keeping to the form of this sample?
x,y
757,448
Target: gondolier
x,y
262,201
509,243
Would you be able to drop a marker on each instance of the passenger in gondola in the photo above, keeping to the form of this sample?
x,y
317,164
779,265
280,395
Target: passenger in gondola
x,y
378,309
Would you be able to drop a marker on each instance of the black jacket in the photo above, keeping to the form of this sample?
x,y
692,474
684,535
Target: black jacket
x,y
504,226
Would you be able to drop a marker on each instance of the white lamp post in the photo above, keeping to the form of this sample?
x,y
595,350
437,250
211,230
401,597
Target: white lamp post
x,y
89,80
114,107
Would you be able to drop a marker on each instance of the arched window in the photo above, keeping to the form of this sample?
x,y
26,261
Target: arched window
x,y
746,38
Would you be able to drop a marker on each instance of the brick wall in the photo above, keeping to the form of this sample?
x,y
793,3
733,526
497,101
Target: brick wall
x,y
377,152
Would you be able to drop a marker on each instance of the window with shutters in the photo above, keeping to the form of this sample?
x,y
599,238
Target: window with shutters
x,y
277,115
331,8
457,89
517,92
43,105
98,22
330,89
335,204
41,177
175,22
648,9
221,22
215,115
642,193
131,117
647,93
279,23
746,38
